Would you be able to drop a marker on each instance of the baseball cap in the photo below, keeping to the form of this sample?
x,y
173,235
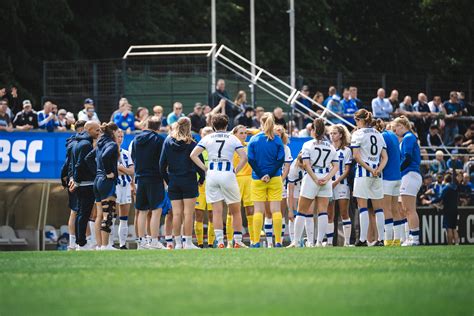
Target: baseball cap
x,y
26,102
88,101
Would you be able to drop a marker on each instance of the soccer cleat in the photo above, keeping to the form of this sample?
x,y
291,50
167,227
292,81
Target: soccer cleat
x,y
229,245
293,245
256,245
388,243
328,244
156,245
310,244
379,243
278,245
71,248
178,246
348,245
108,248
361,243
169,246
86,247
270,245
317,245
123,247
201,246
239,244
190,246
396,243
410,242
221,245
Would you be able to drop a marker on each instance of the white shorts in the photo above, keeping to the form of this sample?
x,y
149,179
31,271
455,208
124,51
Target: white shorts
x,y
411,184
368,188
124,194
391,187
222,186
310,190
341,192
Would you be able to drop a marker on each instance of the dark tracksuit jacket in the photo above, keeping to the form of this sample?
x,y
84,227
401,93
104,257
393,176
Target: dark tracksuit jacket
x,y
106,160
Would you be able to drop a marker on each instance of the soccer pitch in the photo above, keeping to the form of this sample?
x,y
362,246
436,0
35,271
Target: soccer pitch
x,y
415,280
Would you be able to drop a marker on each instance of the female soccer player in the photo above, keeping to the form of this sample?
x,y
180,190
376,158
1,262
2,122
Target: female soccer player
x,y
179,172
124,189
104,185
244,179
221,182
370,153
340,139
321,164
266,154
391,186
411,177
295,176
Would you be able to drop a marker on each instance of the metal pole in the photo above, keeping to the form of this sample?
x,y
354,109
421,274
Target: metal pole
x,y
292,44
214,41
252,47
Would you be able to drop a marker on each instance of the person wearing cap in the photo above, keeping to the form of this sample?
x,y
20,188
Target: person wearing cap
x,y
26,119
88,113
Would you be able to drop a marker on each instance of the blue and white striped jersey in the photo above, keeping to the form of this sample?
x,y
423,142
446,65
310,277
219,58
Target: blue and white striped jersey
x,y
125,160
371,143
344,156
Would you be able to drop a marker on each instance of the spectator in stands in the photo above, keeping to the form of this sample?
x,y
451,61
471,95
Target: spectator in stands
x,y
8,111
349,105
122,103
334,105
176,114
435,188
319,98
423,121
62,120
353,95
456,162
435,104
241,100
245,118
206,109
47,119
438,165
14,101
468,188
452,109
332,91
393,99
278,115
159,113
406,108
220,93
462,103
259,111
71,121
423,193
302,110
27,118
381,107
306,132
5,123
458,149
198,119
124,119
141,118
433,138
88,112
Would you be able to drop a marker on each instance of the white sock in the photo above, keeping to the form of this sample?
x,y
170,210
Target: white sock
x,y
291,230
268,229
309,226
188,240
397,230
380,220
92,229
388,229
112,231
322,225
415,234
330,233
72,240
364,223
178,241
155,240
347,228
169,240
123,230
299,227
219,235
238,237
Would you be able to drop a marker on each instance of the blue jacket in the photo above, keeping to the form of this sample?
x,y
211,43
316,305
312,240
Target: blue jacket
x,y
83,168
107,156
265,156
391,171
410,154
146,150
66,170
175,163
449,196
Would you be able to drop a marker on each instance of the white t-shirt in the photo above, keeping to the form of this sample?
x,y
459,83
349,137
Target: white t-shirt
x,y
344,156
321,154
220,146
371,144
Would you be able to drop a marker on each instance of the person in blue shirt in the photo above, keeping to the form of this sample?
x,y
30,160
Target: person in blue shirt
x,y
391,187
266,155
107,154
125,120
451,109
174,116
47,119
349,106
332,91
411,177
335,106
381,107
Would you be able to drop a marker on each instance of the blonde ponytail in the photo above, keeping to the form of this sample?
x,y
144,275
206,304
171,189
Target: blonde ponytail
x,y
268,125
182,130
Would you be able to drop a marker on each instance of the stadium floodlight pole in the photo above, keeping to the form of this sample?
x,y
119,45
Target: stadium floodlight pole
x,y
292,44
213,41
252,48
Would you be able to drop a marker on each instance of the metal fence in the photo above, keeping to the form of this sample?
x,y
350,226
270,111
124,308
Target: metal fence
x,y
165,79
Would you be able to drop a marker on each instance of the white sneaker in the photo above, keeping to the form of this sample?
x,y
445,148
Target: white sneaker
x,y
318,245
309,244
156,245
239,244
86,247
142,245
109,247
270,245
293,244
71,248
348,245
229,244
371,244
190,246
178,246
411,242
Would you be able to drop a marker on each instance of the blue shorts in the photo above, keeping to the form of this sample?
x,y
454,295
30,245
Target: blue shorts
x,y
73,201
166,205
182,189
150,195
104,188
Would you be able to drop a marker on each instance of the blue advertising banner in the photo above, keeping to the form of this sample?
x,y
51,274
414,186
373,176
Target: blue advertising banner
x,y
40,155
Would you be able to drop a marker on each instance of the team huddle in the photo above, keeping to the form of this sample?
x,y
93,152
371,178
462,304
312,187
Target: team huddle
x,y
182,180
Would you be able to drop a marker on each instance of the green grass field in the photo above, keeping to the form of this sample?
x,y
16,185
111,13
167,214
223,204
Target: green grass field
x,y
395,281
